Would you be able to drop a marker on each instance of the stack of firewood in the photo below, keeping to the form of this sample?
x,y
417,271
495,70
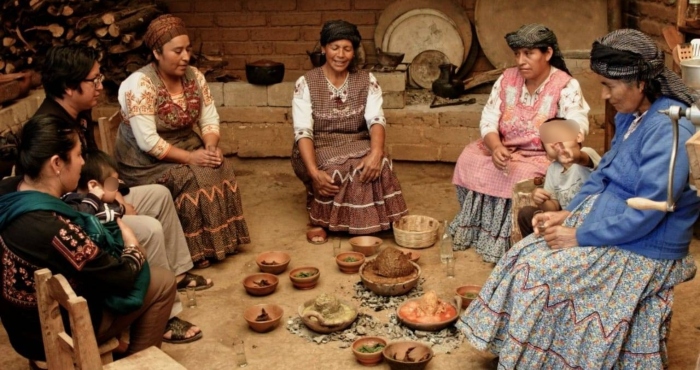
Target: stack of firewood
x,y
113,27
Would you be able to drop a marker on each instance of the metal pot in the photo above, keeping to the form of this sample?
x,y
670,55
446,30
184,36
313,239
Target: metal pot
x,y
317,58
691,73
264,72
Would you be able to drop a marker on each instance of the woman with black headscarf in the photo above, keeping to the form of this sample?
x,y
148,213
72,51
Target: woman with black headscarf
x,y
539,88
338,154
595,290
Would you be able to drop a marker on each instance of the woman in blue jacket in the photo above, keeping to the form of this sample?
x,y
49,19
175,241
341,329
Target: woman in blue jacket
x,y
595,288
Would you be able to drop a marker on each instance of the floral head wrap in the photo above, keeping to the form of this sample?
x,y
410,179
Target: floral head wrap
x,y
163,29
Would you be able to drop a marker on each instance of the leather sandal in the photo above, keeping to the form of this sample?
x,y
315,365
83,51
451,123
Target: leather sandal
x,y
179,329
202,264
200,282
316,232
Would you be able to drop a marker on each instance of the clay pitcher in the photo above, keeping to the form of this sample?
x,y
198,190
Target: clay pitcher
x,y
447,86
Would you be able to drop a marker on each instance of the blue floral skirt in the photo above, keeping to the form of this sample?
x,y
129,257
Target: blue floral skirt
x,y
483,222
576,308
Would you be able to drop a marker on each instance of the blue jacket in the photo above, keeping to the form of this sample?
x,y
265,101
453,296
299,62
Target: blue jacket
x,y
638,167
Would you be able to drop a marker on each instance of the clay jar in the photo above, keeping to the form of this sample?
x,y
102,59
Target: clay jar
x,y
447,86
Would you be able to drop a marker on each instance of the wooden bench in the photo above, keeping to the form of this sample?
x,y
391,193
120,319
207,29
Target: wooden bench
x,y
80,351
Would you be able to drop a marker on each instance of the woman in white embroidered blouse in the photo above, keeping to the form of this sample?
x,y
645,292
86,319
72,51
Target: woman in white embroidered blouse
x,y
539,88
160,104
339,131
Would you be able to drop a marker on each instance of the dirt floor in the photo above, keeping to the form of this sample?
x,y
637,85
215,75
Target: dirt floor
x,y
274,207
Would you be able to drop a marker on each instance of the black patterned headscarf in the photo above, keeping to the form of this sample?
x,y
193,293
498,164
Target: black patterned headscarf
x,y
340,30
535,35
630,55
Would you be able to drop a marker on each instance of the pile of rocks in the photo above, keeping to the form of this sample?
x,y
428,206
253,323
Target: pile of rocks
x,y
379,303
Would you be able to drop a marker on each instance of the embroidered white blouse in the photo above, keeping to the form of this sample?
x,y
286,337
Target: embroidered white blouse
x,y
572,105
137,98
301,106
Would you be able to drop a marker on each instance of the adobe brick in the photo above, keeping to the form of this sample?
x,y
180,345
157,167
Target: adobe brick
x,y
450,153
650,27
275,34
198,20
246,115
459,116
354,17
228,142
217,92
294,47
295,19
391,81
372,4
323,4
451,135
223,34
240,19
393,100
219,5
211,48
248,48
310,33
293,75
264,141
280,95
272,5
414,152
411,116
243,94
178,6
396,135
367,32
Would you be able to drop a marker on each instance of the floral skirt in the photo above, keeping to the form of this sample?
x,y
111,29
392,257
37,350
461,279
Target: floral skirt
x,y
484,222
576,308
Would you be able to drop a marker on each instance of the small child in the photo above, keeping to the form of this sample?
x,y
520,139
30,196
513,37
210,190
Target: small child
x,y
97,188
572,165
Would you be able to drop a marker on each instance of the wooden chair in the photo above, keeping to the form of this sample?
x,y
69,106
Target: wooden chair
x,y
80,351
522,196
108,128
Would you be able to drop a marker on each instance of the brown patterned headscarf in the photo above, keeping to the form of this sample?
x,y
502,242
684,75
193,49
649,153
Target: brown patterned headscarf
x,y
163,29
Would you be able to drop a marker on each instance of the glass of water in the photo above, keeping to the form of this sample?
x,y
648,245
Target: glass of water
x,y
191,297
239,349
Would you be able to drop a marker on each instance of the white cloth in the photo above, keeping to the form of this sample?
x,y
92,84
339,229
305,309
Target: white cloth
x,y
137,96
572,105
301,106
563,184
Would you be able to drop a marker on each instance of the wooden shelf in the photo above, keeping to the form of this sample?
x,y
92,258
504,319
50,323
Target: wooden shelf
x,y
689,31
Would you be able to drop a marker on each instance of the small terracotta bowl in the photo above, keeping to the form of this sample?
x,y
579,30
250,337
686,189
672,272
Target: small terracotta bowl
x,y
367,245
252,284
468,294
304,282
349,267
368,359
273,262
395,355
413,255
274,311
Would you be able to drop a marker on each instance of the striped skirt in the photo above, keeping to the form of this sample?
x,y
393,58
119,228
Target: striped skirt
x,y
576,308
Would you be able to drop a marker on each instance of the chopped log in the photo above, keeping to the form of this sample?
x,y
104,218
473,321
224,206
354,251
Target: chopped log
x,y
2,64
123,48
93,43
128,38
101,32
482,78
117,16
70,34
54,10
67,11
21,38
129,24
55,29
83,36
8,41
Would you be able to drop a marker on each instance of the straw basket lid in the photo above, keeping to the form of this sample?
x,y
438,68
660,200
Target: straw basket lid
x,y
415,231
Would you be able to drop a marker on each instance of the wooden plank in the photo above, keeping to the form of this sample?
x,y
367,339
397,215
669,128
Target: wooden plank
x,y
150,358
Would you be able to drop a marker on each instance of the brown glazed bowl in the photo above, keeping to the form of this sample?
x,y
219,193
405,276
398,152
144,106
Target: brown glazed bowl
x,y
350,267
395,355
367,245
468,294
280,259
274,311
264,72
249,283
368,359
304,282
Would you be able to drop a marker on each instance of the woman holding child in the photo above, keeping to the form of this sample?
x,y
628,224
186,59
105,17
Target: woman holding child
x,y
539,88
595,289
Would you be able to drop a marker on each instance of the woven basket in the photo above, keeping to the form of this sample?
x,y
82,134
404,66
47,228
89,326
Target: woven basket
x,y
416,231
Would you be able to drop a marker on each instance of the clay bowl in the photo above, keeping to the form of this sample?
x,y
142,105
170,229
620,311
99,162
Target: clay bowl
x,y
312,321
350,267
387,59
281,260
433,326
385,289
412,254
471,290
304,282
367,245
274,311
368,359
249,283
395,355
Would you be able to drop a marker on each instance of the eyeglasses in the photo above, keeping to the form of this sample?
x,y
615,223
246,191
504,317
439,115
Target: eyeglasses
x,y
97,80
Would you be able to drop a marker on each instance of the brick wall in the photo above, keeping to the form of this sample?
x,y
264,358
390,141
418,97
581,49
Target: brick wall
x,y
650,16
281,30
